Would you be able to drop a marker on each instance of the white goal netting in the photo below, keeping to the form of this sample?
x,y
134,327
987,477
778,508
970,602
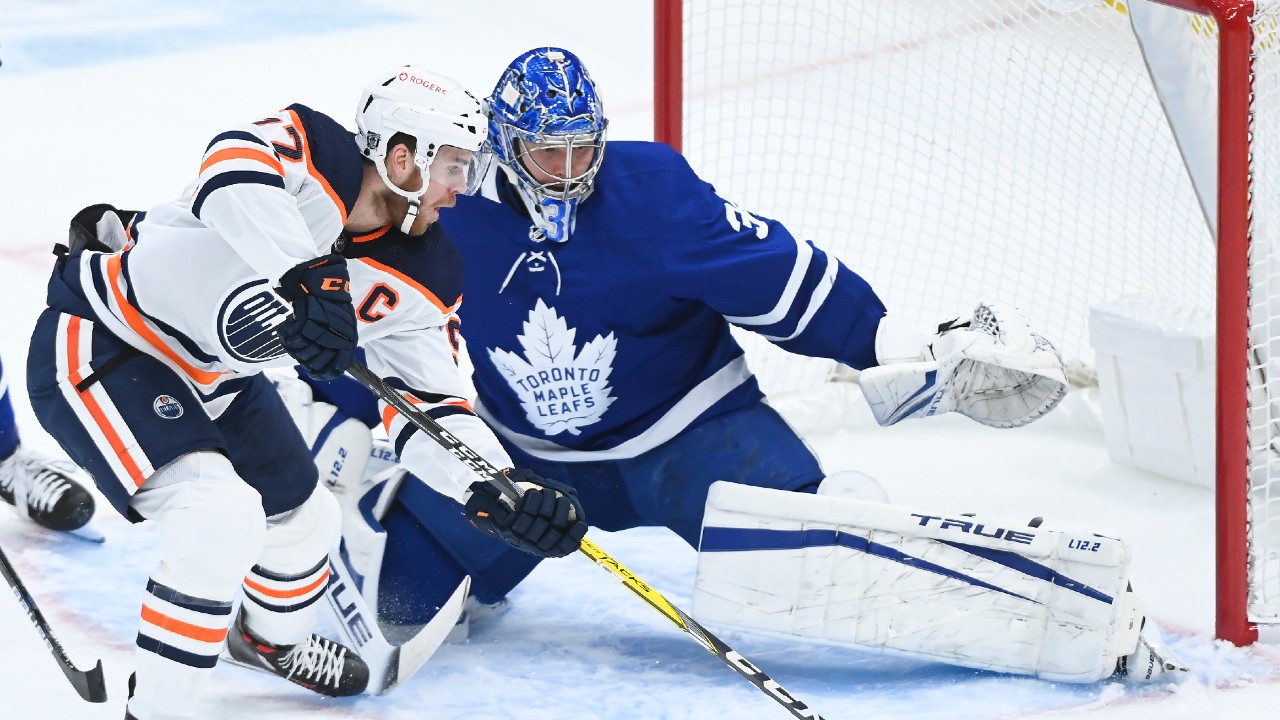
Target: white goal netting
x,y
950,152
956,151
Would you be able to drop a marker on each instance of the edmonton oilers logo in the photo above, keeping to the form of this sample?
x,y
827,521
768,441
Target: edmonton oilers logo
x,y
167,407
247,323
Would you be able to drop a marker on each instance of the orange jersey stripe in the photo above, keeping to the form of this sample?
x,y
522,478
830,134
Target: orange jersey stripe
x,y
287,593
261,156
311,168
373,235
389,413
134,320
430,296
185,629
95,410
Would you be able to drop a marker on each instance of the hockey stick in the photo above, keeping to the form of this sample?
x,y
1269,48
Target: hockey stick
x,y
389,664
678,617
89,684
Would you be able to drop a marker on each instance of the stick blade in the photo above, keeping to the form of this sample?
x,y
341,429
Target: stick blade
x,y
89,683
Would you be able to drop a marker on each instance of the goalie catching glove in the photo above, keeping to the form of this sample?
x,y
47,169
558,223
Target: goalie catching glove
x,y
547,521
992,368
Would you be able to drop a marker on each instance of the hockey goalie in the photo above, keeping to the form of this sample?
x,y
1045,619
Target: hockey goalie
x,y
839,566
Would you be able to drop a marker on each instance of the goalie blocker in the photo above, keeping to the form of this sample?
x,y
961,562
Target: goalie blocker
x,y
962,589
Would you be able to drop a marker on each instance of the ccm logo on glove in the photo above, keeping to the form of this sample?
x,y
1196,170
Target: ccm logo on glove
x,y
321,335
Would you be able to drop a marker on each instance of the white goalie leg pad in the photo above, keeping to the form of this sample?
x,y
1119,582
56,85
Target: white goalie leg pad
x,y
342,446
853,485
364,540
967,590
993,369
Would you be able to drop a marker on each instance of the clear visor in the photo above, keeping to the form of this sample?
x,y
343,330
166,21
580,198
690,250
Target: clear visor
x,y
460,170
561,167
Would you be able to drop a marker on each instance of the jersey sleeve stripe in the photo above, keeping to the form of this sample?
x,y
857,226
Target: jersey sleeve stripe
x,y
408,429
132,228
311,168
430,296
135,322
444,411
804,255
402,439
238,135
816,299
242,153
420,397
457,407
188,345
235,177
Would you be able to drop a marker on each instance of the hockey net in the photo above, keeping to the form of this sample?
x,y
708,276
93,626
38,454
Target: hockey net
x,y
955,151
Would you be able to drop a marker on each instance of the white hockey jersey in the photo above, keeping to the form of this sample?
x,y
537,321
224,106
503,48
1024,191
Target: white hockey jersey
x,y
195,288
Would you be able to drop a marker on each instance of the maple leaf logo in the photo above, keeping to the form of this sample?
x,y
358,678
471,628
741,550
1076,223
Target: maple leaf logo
x,y
561,388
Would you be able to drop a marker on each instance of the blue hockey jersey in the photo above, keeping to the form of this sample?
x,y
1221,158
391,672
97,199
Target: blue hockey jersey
x,y
611,343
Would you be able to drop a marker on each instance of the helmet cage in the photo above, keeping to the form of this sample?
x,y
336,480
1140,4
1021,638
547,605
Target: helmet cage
x,y
554,156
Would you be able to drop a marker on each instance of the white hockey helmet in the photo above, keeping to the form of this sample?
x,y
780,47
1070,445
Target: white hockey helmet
x,y
437,112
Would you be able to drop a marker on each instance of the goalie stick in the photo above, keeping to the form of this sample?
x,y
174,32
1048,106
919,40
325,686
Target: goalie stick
x,y
678,617
89,684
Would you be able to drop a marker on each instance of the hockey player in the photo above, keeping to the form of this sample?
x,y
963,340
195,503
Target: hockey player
x,y
39,488
147,368
600,294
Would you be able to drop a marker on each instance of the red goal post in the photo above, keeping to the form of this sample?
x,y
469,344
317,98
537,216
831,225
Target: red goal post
x,y
724,70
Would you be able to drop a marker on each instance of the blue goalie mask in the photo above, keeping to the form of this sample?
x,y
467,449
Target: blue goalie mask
x,y
547,129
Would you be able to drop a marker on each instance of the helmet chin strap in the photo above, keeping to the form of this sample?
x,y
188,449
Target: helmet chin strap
x,y
410,216
414,198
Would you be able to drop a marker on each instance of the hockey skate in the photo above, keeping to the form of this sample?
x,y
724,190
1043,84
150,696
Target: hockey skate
x,y
1151,659
45,492
318,664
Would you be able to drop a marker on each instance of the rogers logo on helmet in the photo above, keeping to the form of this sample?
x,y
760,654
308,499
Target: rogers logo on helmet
x,y
406,77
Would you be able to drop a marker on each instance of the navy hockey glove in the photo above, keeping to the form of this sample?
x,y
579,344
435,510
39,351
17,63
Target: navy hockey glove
x,y
547,521
321,335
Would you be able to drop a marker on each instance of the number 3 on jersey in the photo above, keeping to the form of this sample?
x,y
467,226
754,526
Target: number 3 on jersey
x,y
740,218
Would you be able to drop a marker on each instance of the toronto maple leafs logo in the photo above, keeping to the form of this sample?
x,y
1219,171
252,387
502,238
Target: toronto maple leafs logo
x,y
561,388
